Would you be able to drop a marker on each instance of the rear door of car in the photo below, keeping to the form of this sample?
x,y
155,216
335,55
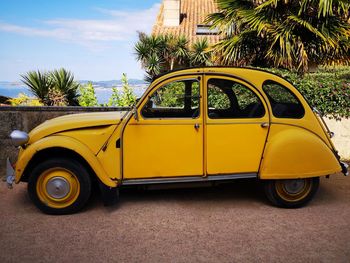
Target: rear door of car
x,y
236,127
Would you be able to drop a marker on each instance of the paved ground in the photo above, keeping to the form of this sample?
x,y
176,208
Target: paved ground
x,y
231,223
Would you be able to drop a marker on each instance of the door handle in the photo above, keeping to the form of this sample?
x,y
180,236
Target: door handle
x,y
196,126
264,125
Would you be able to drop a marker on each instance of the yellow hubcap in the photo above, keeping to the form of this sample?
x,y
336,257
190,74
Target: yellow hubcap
x,y
58,187
293,190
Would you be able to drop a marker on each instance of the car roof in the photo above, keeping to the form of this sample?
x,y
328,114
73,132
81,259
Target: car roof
x,y
253,76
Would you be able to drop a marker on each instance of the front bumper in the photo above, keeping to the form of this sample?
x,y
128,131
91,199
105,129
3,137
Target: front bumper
x,y
10,174
345,168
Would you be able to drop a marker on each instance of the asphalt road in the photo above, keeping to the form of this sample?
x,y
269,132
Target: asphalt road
x,y
229,223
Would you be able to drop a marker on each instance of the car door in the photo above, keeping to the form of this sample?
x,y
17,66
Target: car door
x,y
237,124
167,139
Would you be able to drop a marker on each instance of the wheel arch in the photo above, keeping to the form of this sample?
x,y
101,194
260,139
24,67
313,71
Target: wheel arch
x,y
51,153
60,146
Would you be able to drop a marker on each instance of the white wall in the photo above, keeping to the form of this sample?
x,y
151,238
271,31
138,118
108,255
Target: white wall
x,y
341,139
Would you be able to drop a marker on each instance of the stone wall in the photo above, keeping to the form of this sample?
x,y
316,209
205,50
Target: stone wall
x,y
26,118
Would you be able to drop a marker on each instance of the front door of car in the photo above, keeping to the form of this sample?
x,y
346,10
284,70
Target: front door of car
x,y
237,124
167,138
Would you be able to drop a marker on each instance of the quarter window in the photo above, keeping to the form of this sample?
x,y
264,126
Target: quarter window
x,y
179,99
229,99
283,102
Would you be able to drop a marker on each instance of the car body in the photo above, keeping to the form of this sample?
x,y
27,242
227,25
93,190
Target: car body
x,y
192,125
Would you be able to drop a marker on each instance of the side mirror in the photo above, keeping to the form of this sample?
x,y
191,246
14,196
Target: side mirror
x,y
134,112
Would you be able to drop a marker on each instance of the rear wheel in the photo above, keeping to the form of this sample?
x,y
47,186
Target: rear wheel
x,y
59,186
291,193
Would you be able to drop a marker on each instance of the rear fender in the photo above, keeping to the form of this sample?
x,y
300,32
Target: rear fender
x,y
294,152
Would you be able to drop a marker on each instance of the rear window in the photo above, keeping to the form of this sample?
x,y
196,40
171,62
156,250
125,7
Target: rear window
x,y
283,102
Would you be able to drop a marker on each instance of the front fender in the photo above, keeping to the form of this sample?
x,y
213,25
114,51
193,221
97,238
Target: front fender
x,y
62,142
294,152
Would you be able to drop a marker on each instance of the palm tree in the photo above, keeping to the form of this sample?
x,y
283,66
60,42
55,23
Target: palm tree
x,y
159,54
293,34
39,84
175,51
63,81
149,51
51,87
200,54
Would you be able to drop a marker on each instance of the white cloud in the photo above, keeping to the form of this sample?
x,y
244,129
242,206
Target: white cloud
x,y
93,33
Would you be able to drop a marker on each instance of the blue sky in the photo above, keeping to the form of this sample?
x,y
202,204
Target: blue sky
x,y
93,39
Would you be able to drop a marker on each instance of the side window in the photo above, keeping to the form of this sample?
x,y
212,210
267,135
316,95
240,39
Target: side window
x,y
217,99
179,99
283,102
228,99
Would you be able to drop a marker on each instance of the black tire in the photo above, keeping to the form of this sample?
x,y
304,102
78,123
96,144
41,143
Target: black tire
x,y
278,193
59,186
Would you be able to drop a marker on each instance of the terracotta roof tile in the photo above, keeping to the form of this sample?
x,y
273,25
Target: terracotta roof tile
x,y
193,13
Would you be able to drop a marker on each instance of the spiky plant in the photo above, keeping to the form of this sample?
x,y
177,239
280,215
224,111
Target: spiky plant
x,y
159,54
55,82
175,50
63,80
200,54
39,84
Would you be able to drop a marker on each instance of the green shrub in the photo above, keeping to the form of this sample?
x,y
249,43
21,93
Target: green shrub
x,y
87,96
328,89
126,98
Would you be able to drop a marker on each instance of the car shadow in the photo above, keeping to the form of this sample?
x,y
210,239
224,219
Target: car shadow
x,y
238,192
247,190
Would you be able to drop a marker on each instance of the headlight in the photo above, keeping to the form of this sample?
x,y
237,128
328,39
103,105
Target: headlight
x,y
19,137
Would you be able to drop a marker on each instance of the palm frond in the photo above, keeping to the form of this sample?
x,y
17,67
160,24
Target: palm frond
x,y
38,83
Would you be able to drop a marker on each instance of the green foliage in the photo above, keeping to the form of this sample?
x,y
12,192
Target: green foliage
x,y
87,96
160,54
126,98
24,100
171,95
218,99
39,84
115,99
293,34
328,89
51,87
200,54
63,81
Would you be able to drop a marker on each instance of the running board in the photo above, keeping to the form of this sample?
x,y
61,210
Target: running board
x,y
189,179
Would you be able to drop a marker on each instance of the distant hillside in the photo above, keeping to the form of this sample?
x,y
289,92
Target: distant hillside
x,y
103,83
112,83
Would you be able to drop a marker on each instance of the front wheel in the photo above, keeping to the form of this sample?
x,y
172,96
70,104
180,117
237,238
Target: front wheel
x,y
291,193
59,186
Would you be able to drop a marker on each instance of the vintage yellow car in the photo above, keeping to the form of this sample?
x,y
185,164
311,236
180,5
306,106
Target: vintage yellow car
x,y
195,125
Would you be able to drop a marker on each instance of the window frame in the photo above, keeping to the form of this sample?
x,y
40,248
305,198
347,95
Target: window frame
x,y
290,91
206,30
163,84
248,86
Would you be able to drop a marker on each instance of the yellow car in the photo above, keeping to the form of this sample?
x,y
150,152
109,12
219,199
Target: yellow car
x,y
194,125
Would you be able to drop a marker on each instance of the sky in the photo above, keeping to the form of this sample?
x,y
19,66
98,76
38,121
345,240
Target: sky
x,y
93,39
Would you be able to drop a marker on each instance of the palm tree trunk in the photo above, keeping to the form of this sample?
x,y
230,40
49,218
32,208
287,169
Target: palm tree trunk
x,y
172,64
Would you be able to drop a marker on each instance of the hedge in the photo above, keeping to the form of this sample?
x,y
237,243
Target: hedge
x,y
327,89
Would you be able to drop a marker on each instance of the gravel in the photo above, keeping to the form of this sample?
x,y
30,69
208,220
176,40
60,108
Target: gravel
x,y
227,223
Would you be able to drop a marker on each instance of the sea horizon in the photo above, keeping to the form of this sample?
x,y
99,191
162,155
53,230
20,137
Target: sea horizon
x,y
103,93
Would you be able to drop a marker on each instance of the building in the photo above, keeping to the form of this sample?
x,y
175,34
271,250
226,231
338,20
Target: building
x,y
186,17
